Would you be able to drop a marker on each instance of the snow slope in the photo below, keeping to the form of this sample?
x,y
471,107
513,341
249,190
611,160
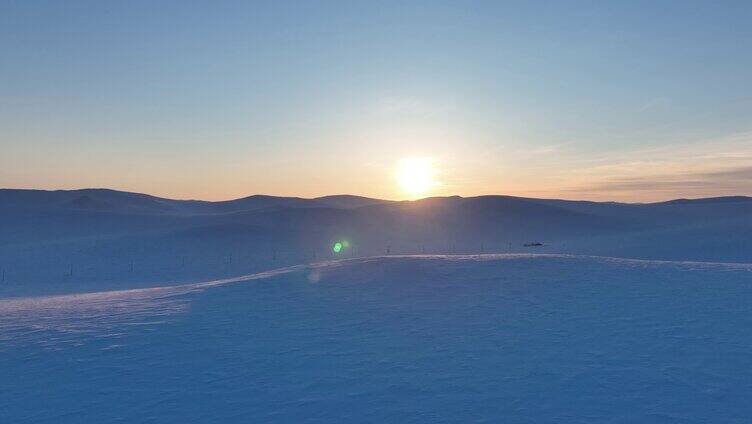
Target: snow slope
x,y
482,338
93,240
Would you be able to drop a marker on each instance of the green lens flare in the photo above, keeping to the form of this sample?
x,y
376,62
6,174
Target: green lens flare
x,y
337,247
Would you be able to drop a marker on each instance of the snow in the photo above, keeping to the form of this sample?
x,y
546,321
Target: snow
x,y
124,307
517,338
77,241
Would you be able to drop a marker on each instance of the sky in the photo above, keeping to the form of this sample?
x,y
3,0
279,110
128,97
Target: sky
x,y
626,101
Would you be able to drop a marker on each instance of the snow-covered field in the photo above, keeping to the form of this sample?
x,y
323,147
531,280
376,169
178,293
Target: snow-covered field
x,y
484,338
123,307
61,242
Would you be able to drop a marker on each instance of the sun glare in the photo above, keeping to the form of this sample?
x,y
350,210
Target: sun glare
x,y
415,176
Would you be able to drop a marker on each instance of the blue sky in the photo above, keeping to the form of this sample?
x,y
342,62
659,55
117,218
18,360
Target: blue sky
x,y
603,100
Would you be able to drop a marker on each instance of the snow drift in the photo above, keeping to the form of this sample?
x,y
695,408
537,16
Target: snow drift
x,y
523,338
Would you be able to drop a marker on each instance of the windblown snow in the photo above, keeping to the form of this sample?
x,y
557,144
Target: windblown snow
x,y
431,338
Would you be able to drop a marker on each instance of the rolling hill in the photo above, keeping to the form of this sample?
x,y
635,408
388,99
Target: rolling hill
x,y
97,239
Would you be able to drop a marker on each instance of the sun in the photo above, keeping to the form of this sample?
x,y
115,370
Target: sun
x,y
415,176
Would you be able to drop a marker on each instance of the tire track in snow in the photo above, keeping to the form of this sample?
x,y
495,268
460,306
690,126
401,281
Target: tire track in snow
x,y
105,314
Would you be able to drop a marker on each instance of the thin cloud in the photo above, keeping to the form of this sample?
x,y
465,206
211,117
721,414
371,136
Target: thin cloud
x,y
712,167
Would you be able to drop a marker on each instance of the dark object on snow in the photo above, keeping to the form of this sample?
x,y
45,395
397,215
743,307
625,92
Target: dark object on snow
x,y
533,244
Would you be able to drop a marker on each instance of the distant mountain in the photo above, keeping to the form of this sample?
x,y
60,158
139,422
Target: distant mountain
x,y
256,202
125,202
348,201
709,200
94,199
43,234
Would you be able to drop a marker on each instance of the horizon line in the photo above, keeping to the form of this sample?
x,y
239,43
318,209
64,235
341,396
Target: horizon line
x,y
366,197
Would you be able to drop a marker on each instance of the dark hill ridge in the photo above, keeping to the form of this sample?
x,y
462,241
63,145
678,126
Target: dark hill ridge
x,y
125,202
709,200
35,215
117,236
348,201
